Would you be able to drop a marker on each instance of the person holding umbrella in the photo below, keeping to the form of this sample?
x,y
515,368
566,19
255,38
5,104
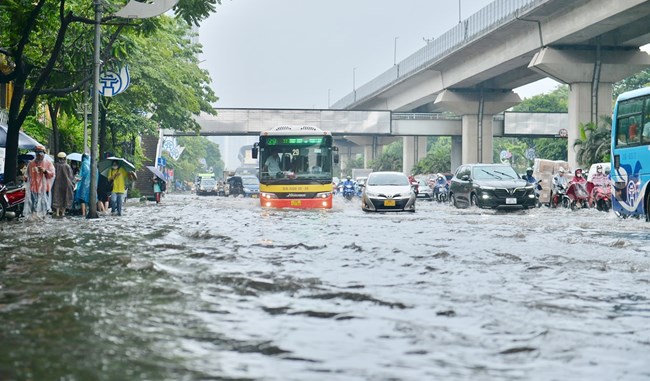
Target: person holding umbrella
x,y
118,176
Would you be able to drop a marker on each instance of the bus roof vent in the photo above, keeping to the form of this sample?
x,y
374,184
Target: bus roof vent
x,y
295,128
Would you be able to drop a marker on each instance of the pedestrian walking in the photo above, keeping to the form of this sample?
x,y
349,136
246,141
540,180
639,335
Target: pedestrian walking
x,y
63,187
40,175
82,193
118,176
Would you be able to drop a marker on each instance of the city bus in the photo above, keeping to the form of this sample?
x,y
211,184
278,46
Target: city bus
x,y
630,159
295,167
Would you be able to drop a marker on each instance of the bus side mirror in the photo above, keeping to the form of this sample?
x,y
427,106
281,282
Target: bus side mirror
x,y
254,151
336,154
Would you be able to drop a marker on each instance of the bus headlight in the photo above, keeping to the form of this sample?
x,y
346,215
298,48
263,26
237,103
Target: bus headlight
x,y
323,194
268,195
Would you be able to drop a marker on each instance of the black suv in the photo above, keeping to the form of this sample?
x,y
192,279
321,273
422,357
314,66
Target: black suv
x,y
490,186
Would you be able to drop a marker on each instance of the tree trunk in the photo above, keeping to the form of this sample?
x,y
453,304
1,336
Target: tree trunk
x,y
56,139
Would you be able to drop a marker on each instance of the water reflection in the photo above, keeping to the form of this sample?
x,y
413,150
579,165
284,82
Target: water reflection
x,y
215,288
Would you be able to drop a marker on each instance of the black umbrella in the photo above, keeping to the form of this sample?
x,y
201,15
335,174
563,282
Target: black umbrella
x,y
24,141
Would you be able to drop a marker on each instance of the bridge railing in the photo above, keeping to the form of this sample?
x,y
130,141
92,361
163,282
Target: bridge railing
x,y
482,22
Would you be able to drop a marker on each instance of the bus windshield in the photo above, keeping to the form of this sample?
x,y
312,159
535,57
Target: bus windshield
x,y
296,157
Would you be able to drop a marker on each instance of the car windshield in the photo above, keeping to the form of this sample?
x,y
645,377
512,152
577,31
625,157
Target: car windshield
x,y
500,172
387,179
250,181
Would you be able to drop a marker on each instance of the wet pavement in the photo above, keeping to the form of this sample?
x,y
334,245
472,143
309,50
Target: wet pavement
x,y
211,288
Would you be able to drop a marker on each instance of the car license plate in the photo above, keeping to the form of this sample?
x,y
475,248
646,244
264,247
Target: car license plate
x,y
296,203
389,202
511,201
254,196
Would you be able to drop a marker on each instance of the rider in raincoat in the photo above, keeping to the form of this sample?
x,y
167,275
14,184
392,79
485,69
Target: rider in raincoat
x,y
40,176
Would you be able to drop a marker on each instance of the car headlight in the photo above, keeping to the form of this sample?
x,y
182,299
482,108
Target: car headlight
x,y
488,188
247,190
372,194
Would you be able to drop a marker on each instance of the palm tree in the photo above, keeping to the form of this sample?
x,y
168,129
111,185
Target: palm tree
x,y
594,143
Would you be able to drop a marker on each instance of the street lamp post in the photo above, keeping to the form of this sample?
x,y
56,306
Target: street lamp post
x,y
329,94
354,87
395,51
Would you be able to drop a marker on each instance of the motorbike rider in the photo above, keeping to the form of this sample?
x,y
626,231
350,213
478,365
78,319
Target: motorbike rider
x,y
532,180
600,179
578,178
601,191
441,182
348,182
559,186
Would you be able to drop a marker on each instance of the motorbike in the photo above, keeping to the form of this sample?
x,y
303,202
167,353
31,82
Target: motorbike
x,y
578,195
600,197
560,198
441,192
348,191
12,201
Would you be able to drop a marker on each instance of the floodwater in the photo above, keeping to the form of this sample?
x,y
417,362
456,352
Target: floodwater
x,y
211,288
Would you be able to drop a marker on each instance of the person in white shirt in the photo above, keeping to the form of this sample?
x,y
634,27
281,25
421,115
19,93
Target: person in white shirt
x,y
272,163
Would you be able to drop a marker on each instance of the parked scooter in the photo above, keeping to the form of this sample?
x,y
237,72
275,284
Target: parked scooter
x,y
12,201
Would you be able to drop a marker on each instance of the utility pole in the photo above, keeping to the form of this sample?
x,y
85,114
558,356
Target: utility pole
x,y
94,151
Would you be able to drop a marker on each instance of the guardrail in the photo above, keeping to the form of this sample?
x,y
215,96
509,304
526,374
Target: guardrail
x,y
482,22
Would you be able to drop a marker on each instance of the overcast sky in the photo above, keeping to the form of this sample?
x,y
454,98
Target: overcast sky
x,y
296,53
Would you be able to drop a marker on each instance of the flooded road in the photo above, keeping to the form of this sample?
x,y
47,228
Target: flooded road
x,y
210,288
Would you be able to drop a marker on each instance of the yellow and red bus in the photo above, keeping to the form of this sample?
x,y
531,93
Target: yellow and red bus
x,y
295,167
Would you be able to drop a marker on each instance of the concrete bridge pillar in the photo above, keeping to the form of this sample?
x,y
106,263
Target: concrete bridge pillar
x,y
414,149
456,152
590,74
477,108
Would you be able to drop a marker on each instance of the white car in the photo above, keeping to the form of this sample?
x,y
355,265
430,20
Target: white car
x,y
424,190
387,192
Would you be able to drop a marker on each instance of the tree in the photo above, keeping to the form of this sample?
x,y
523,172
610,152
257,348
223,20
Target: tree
x,y
438,158
36,37
390,158
637,81
199,155
594,144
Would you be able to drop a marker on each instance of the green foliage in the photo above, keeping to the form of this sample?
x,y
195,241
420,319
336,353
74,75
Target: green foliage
x,y
438,158
637,81
199,155
390,159
555,101
46,51
355,162
594,147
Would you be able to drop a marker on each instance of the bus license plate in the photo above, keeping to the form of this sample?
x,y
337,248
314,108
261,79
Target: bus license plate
x,y
296,203
511,201
389,202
